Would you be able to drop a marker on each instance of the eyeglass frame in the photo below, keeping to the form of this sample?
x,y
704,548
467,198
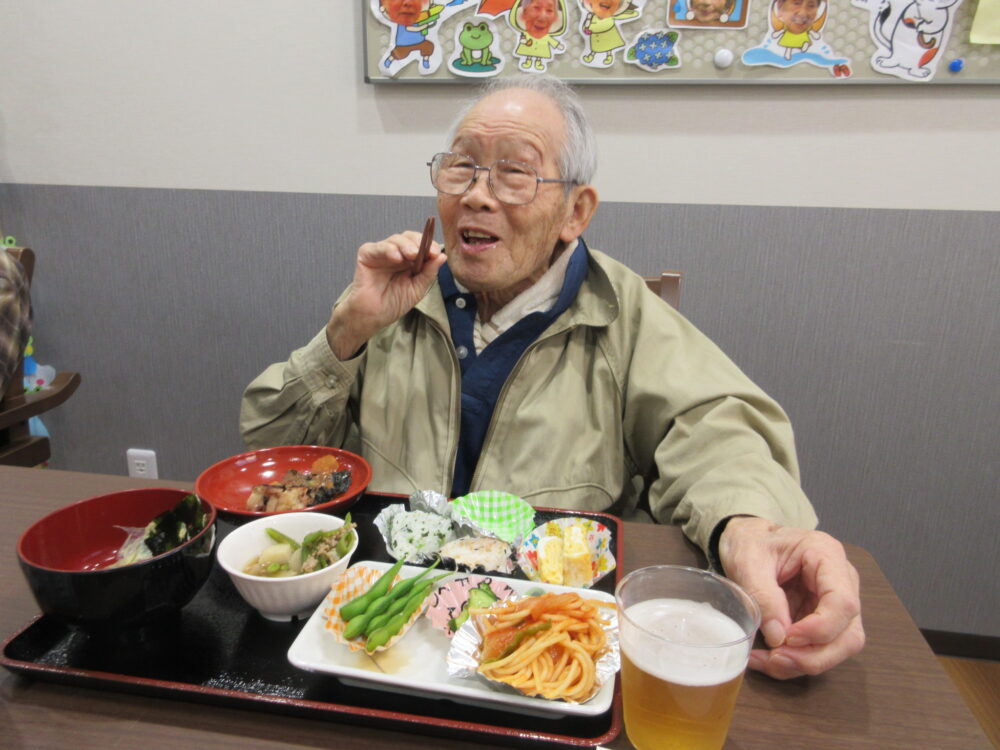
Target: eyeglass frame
x,y
476,169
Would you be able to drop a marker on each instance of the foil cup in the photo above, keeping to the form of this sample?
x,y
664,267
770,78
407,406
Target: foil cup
x,y
463,656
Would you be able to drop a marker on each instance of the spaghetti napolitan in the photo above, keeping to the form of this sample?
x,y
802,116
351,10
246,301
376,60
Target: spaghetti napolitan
x,y
545,645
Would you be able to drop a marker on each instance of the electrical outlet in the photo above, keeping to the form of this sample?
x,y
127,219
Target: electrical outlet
x,y
141,463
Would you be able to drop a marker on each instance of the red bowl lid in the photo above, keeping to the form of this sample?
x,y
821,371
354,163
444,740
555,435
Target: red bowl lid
x,y
227,484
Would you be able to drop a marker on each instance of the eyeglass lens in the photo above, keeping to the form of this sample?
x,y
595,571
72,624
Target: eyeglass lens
x,y
511,181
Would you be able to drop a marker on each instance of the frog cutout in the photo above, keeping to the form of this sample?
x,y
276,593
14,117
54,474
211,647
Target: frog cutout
x,y
475,42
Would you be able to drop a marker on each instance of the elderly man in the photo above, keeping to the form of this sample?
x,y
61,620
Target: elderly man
x,y
525,361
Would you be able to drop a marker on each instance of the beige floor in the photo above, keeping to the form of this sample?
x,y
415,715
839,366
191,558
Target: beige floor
x,y
978,681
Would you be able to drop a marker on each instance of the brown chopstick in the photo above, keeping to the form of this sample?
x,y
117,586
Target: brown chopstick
x,y
425,245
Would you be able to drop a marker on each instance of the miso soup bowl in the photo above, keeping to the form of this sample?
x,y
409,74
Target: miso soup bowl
x,y
280,599
64,556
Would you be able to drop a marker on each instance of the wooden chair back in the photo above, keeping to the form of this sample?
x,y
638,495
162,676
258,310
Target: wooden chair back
x,y
18,447
668,286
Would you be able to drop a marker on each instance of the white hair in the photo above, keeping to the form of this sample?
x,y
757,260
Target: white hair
x,y
578,159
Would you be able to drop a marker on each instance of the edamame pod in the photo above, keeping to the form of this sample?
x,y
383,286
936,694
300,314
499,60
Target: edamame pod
x,y
398,604
402,589
376,622
359,604
381,604
357,626
381,636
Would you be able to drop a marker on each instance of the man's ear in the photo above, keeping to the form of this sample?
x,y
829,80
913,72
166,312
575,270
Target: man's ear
x,y
582,205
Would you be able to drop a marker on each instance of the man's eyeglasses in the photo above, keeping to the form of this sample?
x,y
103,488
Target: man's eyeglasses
x,y
512,182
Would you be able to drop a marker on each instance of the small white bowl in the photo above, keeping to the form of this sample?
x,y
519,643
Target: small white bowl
x,y
280,599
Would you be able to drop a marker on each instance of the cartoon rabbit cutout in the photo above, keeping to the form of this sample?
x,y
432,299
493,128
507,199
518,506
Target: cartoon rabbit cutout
x,y
910,36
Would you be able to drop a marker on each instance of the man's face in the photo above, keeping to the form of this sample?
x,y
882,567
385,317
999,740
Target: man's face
x,y
603,8
404,12
493,247
539,17
798,15
708,11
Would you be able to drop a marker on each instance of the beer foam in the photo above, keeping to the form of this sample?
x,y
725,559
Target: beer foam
x,y
674,641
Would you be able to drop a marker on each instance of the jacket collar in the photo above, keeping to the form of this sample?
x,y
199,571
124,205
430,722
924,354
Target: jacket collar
x,y
596,304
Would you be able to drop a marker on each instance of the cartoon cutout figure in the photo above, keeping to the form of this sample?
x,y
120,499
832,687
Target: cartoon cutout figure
x,y
909,35
540,23
600,28
655,49
708,14
474,42
414,25
795,37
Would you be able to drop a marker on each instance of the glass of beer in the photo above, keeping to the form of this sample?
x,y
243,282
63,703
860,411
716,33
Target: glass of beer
x,y
685,639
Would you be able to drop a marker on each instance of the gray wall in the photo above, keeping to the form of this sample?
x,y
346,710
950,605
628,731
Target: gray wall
x,y
878,330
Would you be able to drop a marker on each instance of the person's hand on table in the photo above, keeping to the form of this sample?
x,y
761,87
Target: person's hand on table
x,y
807,590
384,290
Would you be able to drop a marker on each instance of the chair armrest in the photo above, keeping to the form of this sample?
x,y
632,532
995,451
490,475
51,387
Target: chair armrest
x,y
37,402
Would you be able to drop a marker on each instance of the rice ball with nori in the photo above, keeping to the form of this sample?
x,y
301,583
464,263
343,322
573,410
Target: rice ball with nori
x,y
417,534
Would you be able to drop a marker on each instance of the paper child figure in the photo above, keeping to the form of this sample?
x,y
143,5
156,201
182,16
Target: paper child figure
x,y
540,23
600,27
909,35
414,25
655,49
797,23
795,37
708,14
476,44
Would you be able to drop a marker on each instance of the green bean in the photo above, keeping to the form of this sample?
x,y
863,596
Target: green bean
x,y
345,541
282,539
359,604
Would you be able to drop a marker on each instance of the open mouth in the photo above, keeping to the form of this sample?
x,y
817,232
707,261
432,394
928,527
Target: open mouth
x,y
475,239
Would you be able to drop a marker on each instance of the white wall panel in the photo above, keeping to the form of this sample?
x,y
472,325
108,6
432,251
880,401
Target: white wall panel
x,y
268,95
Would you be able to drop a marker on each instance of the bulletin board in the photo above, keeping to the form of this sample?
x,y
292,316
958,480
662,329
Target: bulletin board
x,y
836,42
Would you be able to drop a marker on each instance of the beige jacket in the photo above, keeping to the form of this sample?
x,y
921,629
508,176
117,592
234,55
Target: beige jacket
x,y
620,388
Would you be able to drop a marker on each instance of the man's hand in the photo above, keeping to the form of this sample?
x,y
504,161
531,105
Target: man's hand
x,y
383,291
807,591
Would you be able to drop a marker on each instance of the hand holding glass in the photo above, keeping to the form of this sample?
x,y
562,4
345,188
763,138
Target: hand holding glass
x,y
685,637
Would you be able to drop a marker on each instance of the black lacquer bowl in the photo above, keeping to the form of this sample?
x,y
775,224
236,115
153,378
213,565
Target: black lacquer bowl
x,y
64,557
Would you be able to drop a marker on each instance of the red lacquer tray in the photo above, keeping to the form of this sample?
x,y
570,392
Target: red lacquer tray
x,y
221,651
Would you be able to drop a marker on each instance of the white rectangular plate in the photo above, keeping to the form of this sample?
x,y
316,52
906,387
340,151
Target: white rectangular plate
x,y
416,663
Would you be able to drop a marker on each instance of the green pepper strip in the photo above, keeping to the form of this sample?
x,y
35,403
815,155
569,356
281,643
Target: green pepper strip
x,y
518,639
359,604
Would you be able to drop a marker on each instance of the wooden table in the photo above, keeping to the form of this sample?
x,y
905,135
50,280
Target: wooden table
x,y
893,695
